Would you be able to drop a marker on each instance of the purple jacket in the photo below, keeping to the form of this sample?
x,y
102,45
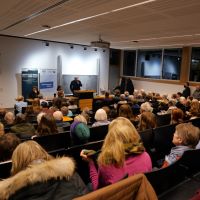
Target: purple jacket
x,y
106,175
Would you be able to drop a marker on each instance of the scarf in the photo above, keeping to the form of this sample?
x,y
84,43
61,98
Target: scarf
x,y
133,148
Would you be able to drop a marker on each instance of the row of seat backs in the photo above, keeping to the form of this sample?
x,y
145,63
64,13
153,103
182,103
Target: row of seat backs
x,y
163,119
57,142
195,122
158,141
162,180
5,168
82,166
98,133
165,179
186,166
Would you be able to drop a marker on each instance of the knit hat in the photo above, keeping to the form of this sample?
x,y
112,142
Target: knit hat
x,y
82,131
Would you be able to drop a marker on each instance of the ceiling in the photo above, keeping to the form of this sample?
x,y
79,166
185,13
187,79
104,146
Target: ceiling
x,y
126,24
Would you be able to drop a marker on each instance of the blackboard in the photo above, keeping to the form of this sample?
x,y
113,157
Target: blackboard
x,y
29,79
89,82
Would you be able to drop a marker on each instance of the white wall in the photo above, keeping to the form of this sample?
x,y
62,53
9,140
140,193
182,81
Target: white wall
x,y
18,53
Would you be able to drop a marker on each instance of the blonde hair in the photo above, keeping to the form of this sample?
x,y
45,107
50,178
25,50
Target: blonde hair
x,y
121,131
20,98
100,115
189,134
25,153
80,118
146,107
9,117
2,132
194,107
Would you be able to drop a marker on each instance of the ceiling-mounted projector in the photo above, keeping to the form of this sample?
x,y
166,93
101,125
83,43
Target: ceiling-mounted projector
x,y
100,43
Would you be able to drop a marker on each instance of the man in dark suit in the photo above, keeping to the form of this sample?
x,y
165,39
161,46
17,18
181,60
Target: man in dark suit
x,y
75,85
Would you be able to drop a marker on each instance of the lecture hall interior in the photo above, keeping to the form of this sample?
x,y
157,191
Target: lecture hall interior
x,y
155,43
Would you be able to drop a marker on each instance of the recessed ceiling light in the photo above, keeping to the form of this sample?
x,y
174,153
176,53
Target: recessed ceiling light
x,y
46,26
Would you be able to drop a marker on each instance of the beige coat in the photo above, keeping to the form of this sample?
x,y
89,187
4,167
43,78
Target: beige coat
x,y
135,187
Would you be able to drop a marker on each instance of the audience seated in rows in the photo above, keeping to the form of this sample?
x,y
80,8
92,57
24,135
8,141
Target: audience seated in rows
x,y
181,104
45,107
31,114
177,116
79,130
86,114
39,117
122,154
37,175
66,112
19,104
126,111
171,105
9,120
61,126
8,143
60,100
196,93
108,112
194,110
116,97
186,137
101,118
135,109
72,104
147,121
122,99
22,128
46,126
146,107
126,93
108,100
